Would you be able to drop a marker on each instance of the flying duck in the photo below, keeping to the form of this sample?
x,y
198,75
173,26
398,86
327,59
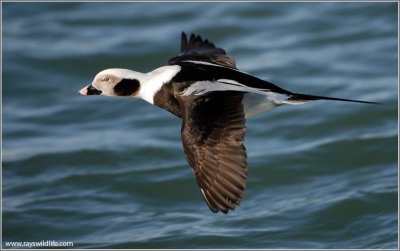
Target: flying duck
x,y
203,87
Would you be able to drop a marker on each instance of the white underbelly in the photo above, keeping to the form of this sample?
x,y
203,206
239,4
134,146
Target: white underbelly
x,y
254,104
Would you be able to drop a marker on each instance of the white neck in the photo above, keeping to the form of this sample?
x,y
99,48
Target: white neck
x,y
153,81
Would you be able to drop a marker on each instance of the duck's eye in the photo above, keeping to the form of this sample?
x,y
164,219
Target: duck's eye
x,y
106,79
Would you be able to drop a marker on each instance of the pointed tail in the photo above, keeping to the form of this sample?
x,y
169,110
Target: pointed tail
x,y
300,98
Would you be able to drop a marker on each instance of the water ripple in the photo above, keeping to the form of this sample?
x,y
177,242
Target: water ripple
x,y
111,173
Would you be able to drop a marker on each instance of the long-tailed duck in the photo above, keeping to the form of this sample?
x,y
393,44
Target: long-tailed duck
x,y
203,87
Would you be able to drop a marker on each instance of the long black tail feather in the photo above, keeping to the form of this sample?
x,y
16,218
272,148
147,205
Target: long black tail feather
x,y
304,98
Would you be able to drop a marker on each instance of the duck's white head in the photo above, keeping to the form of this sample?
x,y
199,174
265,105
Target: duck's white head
x,y
128,83
115,82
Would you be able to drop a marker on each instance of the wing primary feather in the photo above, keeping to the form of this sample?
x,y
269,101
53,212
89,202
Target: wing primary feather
x,y
220,206
221,199
213,131
235,198
183,42
197,49
213,207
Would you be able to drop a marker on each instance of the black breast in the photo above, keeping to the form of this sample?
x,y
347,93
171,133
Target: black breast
x,y
165,99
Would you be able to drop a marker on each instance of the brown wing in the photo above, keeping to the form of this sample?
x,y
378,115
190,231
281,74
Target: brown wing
x,y
202,50
212,134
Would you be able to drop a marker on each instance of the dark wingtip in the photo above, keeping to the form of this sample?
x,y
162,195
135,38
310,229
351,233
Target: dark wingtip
x,y
183,41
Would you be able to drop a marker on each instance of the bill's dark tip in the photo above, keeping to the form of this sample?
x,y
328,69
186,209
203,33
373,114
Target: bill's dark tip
x,y
93,91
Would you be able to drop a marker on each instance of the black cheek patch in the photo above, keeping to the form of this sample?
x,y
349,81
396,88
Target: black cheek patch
x,y
127,87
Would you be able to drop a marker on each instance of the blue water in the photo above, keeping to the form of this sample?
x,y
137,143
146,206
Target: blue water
x,y
106,172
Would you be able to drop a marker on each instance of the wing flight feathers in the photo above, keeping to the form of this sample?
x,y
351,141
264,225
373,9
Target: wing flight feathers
x,y
213,132
197,49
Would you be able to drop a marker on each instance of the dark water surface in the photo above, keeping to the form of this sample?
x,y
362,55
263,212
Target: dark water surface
x,y
106,172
